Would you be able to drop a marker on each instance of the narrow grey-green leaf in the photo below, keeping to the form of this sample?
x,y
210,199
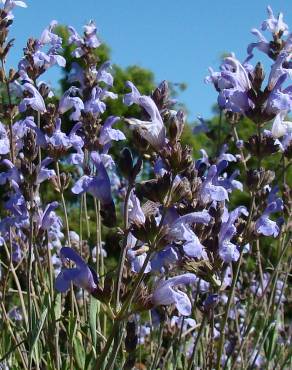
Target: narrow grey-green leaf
x,y
92,318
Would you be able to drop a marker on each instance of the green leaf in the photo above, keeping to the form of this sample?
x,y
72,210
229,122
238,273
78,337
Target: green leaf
x,y
37,328
72,327
93,306
58,307
79,352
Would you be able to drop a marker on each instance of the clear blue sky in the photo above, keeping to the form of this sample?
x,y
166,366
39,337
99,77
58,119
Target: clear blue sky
x,y
177,40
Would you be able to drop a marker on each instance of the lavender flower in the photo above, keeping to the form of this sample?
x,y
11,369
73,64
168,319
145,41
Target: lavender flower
x,y
281,127
44,173
82,275
59,139
48,217
107,133
153,131
9,5
4,140
266,226
135,211
68,102
275,25
91,39
99,186
95,104
211,192
164,293
36,102
233,84
164,258
227,250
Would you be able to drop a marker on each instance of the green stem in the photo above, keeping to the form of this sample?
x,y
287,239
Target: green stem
x,y
160,335
124,250
122,312
226,314
202,326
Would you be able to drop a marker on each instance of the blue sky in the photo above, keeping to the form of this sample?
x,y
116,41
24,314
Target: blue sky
x,y
177,40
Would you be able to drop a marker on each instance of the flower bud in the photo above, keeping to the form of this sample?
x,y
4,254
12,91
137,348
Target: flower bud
x,y
259,76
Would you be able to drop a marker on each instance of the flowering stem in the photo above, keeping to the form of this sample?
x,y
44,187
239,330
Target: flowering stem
x,y
219,131
159,342
98,256
226,314
116,346
18,343
235,134
202,326
122,312
63,202
178,343
261,300
124,250
29,274
10,107
17,283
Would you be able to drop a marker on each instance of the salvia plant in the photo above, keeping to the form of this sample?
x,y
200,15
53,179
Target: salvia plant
x,y
199,277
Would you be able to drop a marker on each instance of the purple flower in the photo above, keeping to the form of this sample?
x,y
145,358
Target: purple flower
x,y
91,39
48,217
11,4
137,259
16,252
49,58
153,131
77,40
163,258
281,67
210,302
275,25
164,293
102,74
228,183
36,102
68,102
82,275
15,314
262,44
20,129
280,100
281,127
179,321
136,254
98,186
266,226
233,84
211,192
44,173
203,162
107,133
75,140
95,104
180,231
11,174
4,140
135,211
192,246
223,156
48,37
227,250
59,139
